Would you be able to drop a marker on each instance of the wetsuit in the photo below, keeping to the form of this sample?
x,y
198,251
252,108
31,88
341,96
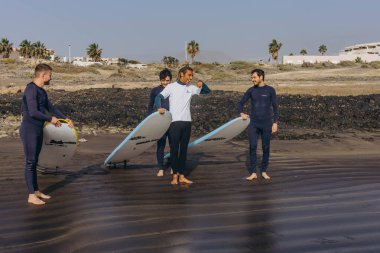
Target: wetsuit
x,y
36,109
180,95
161,143
263,99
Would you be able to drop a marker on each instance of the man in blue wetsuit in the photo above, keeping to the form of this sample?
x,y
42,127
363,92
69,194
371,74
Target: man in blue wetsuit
x,y
165,78
263,99
36,110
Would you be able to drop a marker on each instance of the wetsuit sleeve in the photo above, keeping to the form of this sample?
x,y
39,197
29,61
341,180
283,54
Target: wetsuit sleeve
x,y
55,111
157,100
31,102
275,106
243,100
151,102
205,89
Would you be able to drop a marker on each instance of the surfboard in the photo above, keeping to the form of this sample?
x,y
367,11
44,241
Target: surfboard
x,y
220,135
147,133
59,145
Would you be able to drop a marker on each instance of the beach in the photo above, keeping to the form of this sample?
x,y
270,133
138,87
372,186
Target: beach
x,y
324,168
323,197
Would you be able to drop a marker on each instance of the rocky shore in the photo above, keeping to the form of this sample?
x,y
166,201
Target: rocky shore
x,y
97,111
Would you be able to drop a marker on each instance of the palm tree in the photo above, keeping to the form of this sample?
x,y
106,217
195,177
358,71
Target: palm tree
x,y
39,50
170,61
94,52
274,48
303,52
192,49
26,49
322,49
5,47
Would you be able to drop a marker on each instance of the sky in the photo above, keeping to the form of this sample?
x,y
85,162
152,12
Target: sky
x,y
147,30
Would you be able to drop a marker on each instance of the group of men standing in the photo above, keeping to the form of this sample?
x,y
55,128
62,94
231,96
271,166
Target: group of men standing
x,y
172,96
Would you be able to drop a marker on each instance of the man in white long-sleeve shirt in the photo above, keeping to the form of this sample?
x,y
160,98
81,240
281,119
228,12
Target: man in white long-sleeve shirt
x,y
180,94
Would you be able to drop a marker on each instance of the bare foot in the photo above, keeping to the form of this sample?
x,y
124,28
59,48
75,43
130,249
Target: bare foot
x,y
41,195
174,180
265,175
33,199
252,177
160,173
183,179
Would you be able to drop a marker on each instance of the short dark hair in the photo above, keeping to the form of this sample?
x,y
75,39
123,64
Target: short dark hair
x,y
165,73
183,70
42,67
259,72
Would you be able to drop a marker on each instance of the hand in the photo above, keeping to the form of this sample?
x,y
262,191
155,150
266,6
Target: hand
x,y
55,121
161,110
244,116
199,84
70,123
274,127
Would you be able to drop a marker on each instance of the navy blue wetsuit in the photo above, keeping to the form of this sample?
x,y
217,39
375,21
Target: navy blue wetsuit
x,y
36,109
161,143
263,99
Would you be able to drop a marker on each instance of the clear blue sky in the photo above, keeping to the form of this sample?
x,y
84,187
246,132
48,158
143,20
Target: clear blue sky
x,y
150,29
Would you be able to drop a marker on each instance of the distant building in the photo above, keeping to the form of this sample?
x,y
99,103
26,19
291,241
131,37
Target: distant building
x,y
366,52
137,66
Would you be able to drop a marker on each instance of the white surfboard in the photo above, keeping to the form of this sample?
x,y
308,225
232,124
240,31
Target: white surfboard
x,y
59,145
220,135
147,133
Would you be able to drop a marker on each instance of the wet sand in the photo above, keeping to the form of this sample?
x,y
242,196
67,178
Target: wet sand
x,y
323,197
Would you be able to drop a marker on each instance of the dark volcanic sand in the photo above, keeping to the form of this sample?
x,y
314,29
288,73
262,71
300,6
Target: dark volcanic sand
x,y
323,197
301,117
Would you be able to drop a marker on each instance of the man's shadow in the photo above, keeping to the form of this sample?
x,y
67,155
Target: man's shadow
x,y
71,176
201,158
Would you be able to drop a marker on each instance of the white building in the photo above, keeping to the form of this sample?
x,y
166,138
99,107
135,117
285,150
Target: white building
x,y
366,52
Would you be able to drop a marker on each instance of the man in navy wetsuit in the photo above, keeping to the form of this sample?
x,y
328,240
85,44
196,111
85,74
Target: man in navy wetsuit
x,y
263,99
165,78
36,110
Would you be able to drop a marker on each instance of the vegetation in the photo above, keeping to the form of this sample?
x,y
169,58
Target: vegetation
x,y
274,48
322,49
170,61
375,64
26,49
94,52
192,49
5,47
303,52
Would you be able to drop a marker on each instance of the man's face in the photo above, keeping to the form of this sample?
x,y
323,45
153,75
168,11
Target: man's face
x,y
165,81
46,77
187,77
256,79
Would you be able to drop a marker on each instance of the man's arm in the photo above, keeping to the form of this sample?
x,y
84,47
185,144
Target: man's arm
x,y
241,103
205,89
55,111
30,94
275,111
151,102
